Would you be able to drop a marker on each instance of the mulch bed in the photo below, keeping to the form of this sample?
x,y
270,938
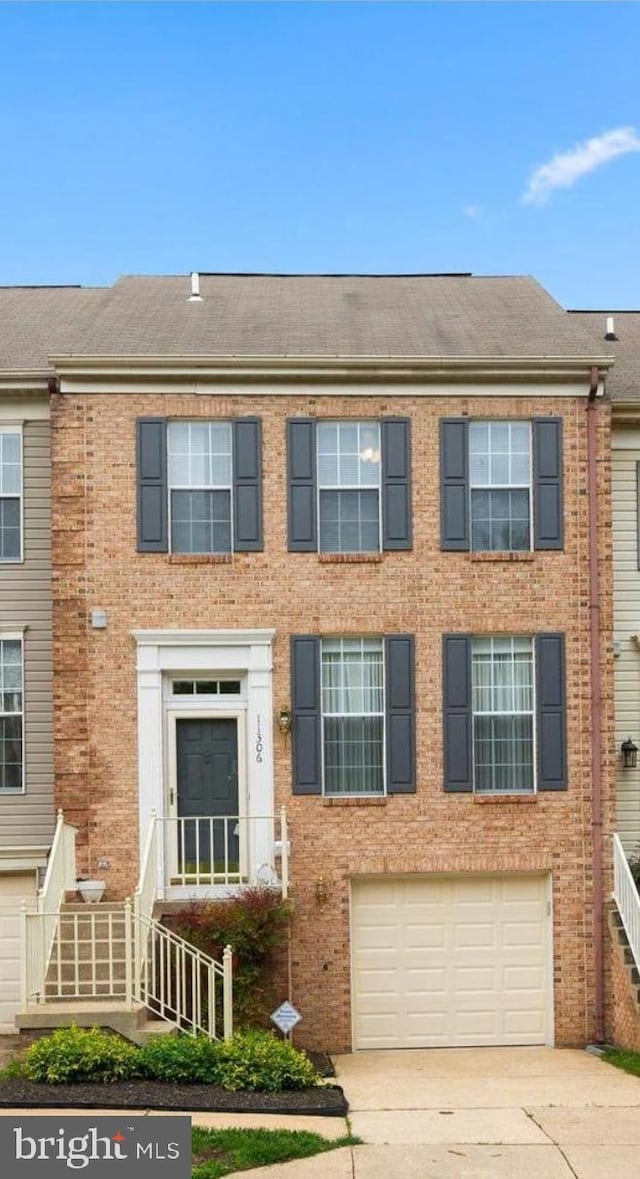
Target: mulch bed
x,y
323,1100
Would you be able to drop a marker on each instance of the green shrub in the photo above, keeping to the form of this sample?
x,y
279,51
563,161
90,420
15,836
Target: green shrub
x,y
254,924
255,1060
179,1059
72,1055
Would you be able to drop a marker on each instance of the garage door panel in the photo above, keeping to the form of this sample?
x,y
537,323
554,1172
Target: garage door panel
x,y
464,962
13,888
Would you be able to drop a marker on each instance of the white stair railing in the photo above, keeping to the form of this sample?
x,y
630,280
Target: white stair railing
x,y
206,850
625,894
171,977
37,938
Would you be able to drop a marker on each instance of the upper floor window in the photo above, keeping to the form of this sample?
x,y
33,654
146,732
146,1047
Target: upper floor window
x,y
11,714
353,716
500,485
200,483
503,714
349,485
10,494
348,459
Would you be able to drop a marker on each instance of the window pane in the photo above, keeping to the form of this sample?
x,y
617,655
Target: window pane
x,y
199,454
500,520
10,463
201,521
182,687
9,529
348,454
11,753
349,522
353,755
503,749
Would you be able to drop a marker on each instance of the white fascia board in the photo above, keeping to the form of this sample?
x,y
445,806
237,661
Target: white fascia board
x,y
208,638
195,374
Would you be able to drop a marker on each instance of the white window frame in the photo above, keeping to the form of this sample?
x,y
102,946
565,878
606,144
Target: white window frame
x,y
533,713
357,793
203,487
17,430
17,637
502,486
320,487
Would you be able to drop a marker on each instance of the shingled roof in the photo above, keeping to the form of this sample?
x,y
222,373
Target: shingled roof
x,y
623,381
333,315
251,315
37,321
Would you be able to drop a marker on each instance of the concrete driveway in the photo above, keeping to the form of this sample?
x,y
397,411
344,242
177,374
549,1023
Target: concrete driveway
x,y
508,1113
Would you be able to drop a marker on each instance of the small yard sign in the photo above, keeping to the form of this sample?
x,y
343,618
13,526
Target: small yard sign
x,y
286,1017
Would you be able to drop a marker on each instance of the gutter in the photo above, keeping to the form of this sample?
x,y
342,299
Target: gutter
x,y
596,707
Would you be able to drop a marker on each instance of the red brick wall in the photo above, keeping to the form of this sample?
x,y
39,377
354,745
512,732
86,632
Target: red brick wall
x,y
623,1012
424,591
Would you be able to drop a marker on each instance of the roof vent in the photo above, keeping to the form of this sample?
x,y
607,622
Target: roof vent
x,y
195,296
610,333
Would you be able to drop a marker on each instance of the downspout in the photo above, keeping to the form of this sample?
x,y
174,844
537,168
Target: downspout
x,y
596,705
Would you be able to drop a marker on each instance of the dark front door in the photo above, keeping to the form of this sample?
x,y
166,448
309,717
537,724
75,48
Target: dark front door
x,y
207,780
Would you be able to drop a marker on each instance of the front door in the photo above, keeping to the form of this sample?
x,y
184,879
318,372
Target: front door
x,y
208,834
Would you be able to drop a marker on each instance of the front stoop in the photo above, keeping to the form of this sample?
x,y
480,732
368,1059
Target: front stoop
x,y
131,1022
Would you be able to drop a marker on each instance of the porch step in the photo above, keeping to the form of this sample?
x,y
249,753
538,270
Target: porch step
x,y
132,1023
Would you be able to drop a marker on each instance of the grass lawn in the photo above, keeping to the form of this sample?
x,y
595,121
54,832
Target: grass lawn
x,y
625,1059
220,1152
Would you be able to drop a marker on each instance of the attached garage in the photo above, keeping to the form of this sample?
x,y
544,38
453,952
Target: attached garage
x,y
451,961
14,886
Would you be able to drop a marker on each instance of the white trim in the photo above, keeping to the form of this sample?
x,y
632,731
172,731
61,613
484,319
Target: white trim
x,y
15,791
22,859
161,653
14,428
341,384
18,410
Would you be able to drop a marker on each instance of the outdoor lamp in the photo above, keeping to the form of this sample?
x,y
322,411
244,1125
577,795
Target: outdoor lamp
x,y
629,754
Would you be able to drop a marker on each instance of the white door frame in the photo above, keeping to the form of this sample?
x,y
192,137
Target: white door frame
x,y
171,804
245,654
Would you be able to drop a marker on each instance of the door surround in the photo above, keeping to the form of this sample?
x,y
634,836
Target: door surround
x,y
161,654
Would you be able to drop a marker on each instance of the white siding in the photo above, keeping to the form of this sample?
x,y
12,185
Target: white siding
x,y
626,586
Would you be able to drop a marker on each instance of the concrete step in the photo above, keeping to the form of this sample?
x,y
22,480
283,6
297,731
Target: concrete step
x,y
133,1023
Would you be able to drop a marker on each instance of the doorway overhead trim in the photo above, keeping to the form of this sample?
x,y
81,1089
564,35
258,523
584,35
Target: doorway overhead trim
x,y
164,654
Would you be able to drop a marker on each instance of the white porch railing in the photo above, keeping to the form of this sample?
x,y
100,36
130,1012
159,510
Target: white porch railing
x,y
37,942
625,894
167,974
208,850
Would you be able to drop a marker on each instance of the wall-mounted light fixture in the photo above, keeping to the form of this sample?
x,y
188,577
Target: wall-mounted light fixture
x,y
284,720
629,754
321,891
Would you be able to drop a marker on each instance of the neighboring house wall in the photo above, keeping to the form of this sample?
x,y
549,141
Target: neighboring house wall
x,y
424,591
27,819
626,575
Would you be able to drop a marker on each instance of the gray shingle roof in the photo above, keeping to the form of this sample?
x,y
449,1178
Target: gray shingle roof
x,y
296,315
623,382
36,321
271,315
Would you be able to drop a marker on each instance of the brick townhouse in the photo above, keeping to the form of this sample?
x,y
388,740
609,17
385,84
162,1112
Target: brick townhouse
x,y
341,545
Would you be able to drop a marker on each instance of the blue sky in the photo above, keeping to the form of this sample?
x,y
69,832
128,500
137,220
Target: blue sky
x,y
390,137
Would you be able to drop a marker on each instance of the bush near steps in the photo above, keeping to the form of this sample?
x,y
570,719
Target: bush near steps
x,y
252,1060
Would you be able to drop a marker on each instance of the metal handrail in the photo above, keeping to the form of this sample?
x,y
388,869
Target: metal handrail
x,y
625,894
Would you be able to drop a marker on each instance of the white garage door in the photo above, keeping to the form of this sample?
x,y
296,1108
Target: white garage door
x,y
13,887
450,961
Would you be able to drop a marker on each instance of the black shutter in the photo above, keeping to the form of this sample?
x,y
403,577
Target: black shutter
x,y
151,461
458,720
247,485
454,484
301,467
547,483
306,728
551,719
396,483
400,714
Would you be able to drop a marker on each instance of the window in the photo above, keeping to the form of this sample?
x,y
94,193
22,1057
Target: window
x,y
500,485
200,482
503,715
10,494
205,687
349,486
353,715
11,726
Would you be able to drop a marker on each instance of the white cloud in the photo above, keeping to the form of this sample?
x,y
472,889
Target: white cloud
x,y
471,211
569,166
